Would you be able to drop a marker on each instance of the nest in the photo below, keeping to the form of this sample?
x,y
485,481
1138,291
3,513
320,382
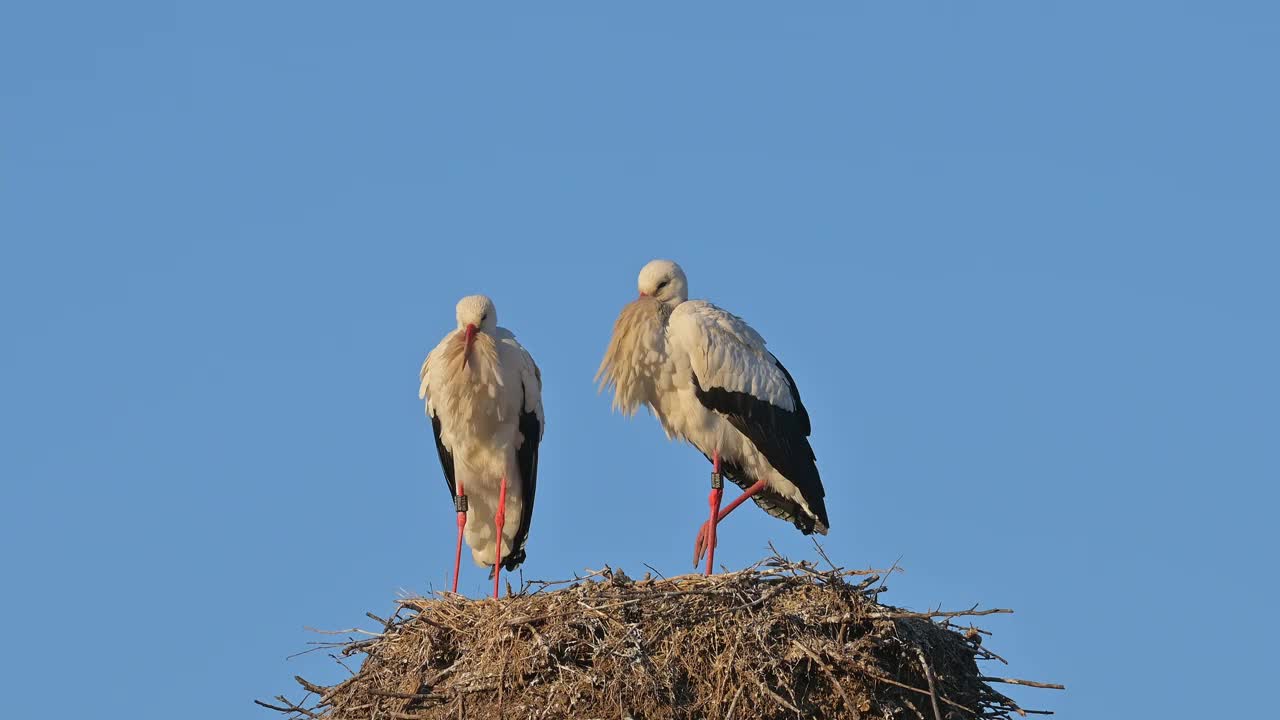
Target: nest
x,y
780,639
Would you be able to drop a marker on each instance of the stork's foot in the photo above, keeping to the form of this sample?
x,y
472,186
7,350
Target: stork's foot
x,y
700,543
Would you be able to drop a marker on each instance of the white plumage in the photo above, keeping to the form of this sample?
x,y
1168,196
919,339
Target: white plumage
x,y
484,398
723,351
710,381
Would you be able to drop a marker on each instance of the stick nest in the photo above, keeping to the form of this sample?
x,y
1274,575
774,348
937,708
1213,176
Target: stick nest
x,y
780,639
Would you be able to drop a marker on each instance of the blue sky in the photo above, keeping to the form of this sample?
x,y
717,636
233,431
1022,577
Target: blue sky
x,y
1020,257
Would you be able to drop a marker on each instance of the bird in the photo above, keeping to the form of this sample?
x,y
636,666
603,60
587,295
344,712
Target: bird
x,y
483,394
711,382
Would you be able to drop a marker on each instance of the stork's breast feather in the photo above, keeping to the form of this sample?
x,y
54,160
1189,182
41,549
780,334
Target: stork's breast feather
x,y
635,355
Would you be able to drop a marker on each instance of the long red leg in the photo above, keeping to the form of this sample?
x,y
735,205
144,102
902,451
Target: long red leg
x,y
703,532
499,519
717,493
460,505
740,499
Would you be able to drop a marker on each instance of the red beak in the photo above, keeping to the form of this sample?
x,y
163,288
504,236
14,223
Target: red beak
x,y
644,294
471,340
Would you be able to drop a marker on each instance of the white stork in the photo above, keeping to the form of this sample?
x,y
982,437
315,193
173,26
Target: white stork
x,y
484,397
708,378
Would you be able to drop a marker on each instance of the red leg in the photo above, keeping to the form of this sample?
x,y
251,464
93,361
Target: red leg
x,y
717,492
704,533
460,505
499,519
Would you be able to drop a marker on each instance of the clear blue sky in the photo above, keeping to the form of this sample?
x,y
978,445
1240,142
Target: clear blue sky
x,y
1021,258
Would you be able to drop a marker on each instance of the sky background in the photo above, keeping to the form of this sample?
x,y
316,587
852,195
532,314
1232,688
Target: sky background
x,y
1021,258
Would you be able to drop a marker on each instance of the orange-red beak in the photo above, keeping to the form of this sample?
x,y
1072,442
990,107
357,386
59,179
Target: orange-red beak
x,y
471,340
644,294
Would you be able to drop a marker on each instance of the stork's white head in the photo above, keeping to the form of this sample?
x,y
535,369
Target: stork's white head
x,y
664,281
477,310
475,314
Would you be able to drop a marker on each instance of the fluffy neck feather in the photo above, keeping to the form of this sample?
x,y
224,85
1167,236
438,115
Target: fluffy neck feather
x,y
469,393
635,353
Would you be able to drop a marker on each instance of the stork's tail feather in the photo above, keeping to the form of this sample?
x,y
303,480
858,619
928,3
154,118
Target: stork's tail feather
x,y
510,563
513,562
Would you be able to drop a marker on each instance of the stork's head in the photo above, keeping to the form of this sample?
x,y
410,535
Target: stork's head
x,y
475,314
664,281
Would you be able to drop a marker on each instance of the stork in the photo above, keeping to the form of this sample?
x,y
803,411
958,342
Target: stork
x,y
484,396
708,378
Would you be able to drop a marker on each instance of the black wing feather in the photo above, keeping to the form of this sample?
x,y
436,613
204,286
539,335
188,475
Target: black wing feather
x,y
783,437
446,457
527,460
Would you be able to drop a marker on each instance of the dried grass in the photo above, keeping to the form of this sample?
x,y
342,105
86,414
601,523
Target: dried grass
x,y
781,639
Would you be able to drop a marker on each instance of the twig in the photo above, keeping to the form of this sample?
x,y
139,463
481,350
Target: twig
x,y
1028,683
269,706
400,695
866,583
986,654
823,553
848,703
781,701
892,567
734,702
933,691
905,686
327,697
290,706
348,631
502,678
344,665
901,614
937,614
310,686
758,601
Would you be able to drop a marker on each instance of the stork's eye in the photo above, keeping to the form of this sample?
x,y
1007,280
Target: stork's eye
x,y
661,285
